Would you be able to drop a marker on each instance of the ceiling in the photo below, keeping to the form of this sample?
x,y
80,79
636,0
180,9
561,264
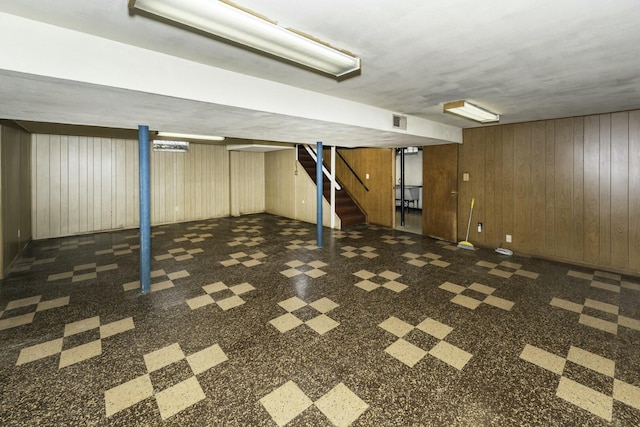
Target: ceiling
x,y
526,60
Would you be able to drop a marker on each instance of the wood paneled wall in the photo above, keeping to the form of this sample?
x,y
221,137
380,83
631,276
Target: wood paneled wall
x,y
280,183
84,184
290,192
15,193
189,186
247,182
566,189
379,201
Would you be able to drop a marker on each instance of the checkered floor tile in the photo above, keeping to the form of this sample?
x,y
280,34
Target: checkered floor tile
x,y
137,235
226,297
248,220
605,280
171,399
354,234
310,245
179,254
255,229
485,291
424,259
294,231
314,315
386,279
352,251
203,227
82,272
248,260
340,405
92,330
193,237
286,221
21,312
410,354
71,244
394,240
246,241
25,264
606,317
161,279
311,269
448,245
595,401
506,269
121,249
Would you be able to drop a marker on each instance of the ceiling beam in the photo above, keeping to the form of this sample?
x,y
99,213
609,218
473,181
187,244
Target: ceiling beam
x,y
64,55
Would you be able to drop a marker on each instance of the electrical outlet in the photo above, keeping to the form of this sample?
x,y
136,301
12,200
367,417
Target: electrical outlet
x,y
366,176
479,227
465,177
508,239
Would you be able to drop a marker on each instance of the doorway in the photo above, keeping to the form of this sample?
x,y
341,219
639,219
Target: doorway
x,y
408,209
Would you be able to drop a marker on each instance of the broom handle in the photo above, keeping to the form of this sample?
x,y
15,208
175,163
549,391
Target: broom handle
x,y
473,201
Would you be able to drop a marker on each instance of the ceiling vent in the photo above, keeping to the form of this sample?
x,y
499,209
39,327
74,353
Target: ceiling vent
x,y
399,122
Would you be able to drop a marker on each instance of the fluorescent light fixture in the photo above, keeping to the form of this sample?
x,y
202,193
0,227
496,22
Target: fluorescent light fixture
x,y
469,111
189,136
231,22
259,148
176,146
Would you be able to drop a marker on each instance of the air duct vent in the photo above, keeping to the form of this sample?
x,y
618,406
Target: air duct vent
x,y
399,122
175,146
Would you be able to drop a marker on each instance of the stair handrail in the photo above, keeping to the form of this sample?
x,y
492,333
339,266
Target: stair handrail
x,y
312,153
352,171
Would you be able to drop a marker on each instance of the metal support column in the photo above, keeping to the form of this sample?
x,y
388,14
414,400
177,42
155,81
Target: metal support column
x,y
402,186
145,211
319,194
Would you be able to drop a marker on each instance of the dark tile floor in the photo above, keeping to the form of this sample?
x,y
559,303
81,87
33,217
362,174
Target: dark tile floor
x,y
249,323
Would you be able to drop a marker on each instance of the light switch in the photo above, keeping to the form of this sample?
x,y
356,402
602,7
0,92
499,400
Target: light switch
x,y
366,176
465,176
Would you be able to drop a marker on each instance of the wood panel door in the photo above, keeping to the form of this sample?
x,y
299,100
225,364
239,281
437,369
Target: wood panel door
x,y
440,191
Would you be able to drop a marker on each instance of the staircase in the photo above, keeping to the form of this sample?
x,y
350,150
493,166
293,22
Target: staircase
x,y
346,209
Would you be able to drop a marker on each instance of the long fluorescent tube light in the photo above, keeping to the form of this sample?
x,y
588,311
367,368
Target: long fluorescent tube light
x,y
189,136
233,23
469,111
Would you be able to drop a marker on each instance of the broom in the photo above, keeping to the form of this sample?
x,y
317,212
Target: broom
x,y
465,244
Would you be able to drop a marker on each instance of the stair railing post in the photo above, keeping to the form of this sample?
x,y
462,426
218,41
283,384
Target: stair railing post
x,y
333,186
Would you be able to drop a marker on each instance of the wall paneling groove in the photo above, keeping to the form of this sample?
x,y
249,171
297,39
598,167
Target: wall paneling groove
x,y
566,189
86,184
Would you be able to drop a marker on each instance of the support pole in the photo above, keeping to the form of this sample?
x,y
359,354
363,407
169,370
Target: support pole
x,y
319,194
145,211
402,201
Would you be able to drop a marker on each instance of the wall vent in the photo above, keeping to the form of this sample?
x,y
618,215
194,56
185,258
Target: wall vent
x,y
399,122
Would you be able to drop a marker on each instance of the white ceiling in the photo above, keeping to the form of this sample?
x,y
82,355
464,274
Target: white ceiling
x,y
526,60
